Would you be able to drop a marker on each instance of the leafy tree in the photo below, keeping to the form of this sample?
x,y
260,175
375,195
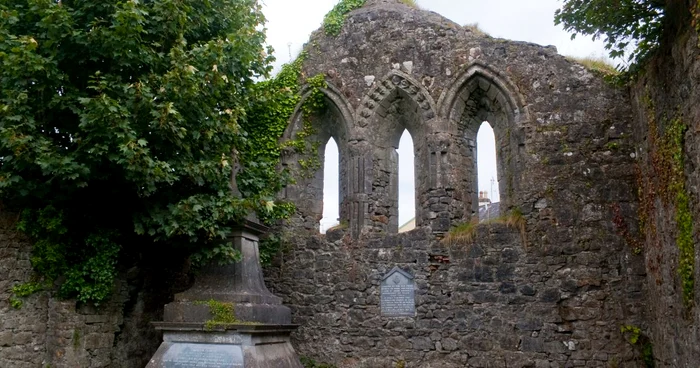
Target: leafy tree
x,y
120,125
630,27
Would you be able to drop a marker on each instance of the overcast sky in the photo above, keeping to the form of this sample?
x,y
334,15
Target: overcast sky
x,y
291,22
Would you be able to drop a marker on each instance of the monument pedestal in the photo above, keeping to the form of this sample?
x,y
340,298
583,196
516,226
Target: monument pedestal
x,y
233,346
251,329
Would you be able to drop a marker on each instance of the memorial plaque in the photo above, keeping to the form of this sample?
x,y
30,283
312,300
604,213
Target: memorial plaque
x,y
397,294
182,355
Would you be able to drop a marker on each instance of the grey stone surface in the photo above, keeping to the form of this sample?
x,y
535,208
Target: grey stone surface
x,y
183,355
260,336
240,284
245,346
669,89
553,296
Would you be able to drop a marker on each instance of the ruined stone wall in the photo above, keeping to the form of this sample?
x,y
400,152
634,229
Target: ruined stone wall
x,y
667,94
49,332
565,163
23,337
491,303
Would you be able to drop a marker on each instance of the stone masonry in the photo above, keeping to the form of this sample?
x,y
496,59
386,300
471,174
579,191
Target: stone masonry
x,y
552,293
555,295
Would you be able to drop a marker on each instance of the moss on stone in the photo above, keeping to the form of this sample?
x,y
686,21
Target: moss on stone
x,y
222,314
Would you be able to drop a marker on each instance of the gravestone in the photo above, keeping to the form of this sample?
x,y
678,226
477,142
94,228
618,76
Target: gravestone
x,y
398,294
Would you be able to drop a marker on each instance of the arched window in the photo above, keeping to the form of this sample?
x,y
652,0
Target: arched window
x,y
331,185
407,183
487,172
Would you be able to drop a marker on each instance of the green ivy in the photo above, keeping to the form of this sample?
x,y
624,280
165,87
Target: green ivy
x,y
673,145
24,290
636,338
334,20
88,265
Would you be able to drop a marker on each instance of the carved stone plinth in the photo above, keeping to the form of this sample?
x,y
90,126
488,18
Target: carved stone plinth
x,y
259,337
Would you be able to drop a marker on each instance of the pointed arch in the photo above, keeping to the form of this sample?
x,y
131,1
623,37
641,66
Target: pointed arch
x,y
480,75
335,100
376,101
482,94
333,122
331,186
395,104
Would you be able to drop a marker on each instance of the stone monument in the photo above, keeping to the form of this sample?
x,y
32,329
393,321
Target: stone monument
x,y
228,318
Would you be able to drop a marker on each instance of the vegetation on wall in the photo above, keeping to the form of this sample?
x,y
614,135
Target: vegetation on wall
x,y
121,126
641,342
665,179
310,363
334,20
628,27
597,65
464,234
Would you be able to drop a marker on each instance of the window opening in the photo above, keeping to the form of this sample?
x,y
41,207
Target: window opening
x,y
407,183
487,173
331,187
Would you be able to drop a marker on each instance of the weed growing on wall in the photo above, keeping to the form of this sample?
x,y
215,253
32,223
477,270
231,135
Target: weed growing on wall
x,y
334,20
310,363
665,179
641,342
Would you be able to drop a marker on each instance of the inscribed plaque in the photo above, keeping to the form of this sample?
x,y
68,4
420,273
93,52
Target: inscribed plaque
x,y
184,355
397,294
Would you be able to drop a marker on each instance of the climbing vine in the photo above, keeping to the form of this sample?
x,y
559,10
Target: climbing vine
x,y
334,20
641,342
275,102
668,183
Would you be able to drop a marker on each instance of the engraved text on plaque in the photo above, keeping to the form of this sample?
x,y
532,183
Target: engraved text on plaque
x,y
398,294
182,355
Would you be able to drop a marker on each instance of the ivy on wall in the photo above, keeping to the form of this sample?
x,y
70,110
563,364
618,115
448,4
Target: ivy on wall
x,y
275,103
665,179
334,20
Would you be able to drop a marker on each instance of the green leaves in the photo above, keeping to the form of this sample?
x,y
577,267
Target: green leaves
x,y
334,20
628,27
118,120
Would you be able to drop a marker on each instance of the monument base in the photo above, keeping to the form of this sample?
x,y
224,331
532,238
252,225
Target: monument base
x,y
191,345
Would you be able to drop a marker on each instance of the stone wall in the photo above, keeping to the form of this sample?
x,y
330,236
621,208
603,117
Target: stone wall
x,y
491,303
570,152
566,158
668,91
49,332
23,333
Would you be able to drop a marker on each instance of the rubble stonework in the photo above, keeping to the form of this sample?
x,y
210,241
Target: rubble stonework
x,y
554,293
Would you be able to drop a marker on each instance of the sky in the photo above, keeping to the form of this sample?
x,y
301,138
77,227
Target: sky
x,y
291,22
